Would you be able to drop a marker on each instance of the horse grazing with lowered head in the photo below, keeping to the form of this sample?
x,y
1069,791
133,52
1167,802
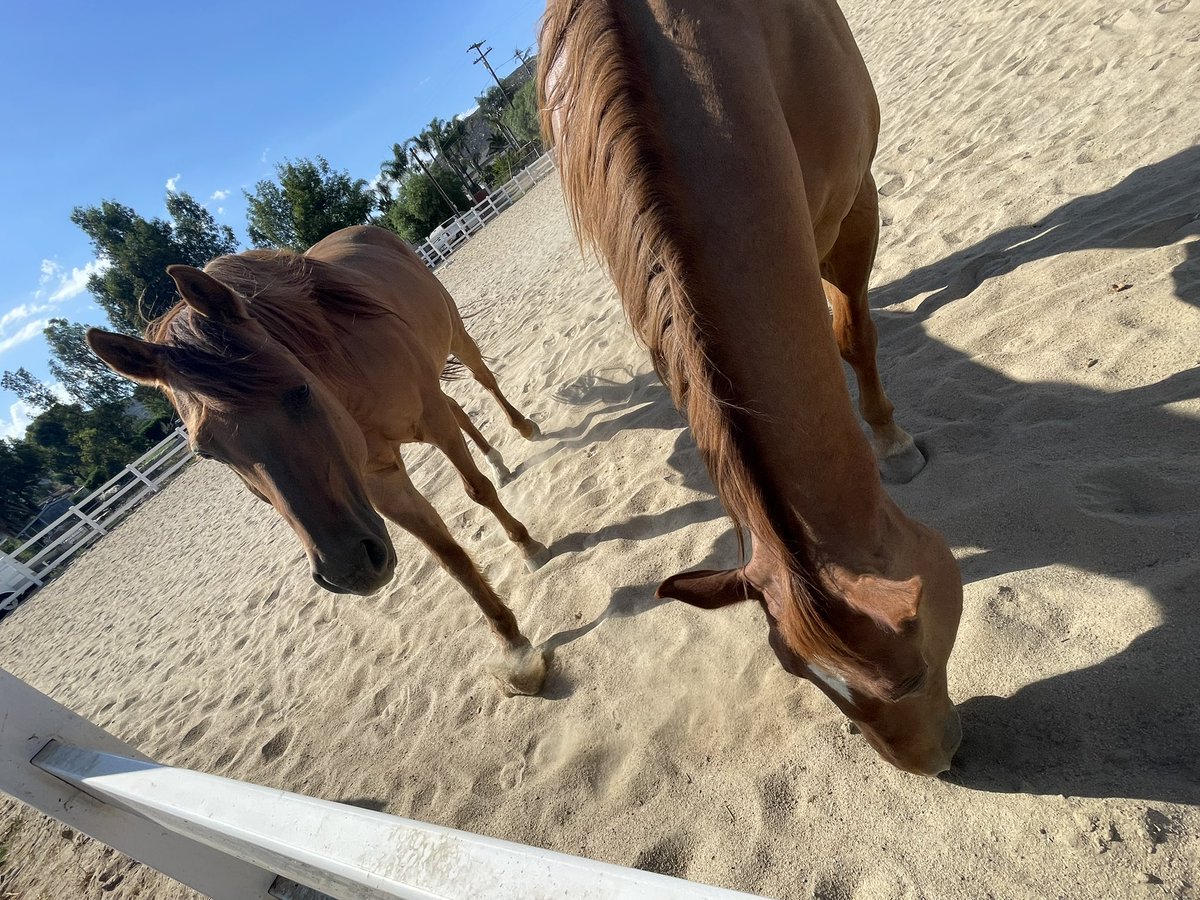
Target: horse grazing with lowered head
x,y
718,155
304,374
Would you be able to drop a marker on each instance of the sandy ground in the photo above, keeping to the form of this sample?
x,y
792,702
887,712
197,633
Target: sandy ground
x,y
1034,154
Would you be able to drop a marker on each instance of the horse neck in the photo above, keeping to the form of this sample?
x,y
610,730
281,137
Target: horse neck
x,y
702,184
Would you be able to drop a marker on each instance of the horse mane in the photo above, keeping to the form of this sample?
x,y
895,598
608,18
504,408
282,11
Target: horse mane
x,y
291,296
621,193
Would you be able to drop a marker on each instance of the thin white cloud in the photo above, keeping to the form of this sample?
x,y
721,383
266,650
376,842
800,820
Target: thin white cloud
x,y
20,414
219,195
19,417
220,210
469,112
55,287
27,333
172,183
19,314
263,158
76,283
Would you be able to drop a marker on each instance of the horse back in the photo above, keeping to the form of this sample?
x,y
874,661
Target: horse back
x,y
384,267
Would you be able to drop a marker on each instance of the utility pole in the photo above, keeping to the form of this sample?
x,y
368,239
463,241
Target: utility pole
x,y
483,59
524,58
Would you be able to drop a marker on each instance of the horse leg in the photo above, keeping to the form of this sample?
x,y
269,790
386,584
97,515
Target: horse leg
x,y
491,454
441,428
518,666
845,273
467,352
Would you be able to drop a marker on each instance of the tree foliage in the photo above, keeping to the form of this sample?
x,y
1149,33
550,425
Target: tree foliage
x,y
54,433
309,201
419,206
522,117
133,288
88,380
22,469
29,388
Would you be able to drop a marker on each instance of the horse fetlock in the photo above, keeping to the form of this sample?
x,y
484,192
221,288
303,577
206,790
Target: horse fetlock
x,y
500,473
536,553
529,430
520,668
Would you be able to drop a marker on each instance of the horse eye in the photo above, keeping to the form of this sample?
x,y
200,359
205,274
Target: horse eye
x,y
300,394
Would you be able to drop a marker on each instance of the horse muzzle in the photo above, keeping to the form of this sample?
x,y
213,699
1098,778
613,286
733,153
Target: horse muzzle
x,y
361,569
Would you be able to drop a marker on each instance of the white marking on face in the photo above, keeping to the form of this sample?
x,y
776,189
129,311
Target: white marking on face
x,y
834,682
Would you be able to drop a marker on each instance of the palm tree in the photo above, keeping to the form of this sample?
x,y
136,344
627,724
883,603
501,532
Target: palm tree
x,y
392,171
456,140
413,148
435,135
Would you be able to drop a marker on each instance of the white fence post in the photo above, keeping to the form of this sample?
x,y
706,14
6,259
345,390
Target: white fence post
x,y
31,719
226,838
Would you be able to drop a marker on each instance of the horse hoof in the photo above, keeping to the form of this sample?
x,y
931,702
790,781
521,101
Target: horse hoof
x,y
531,432
500,473
537,555
902,467
520,670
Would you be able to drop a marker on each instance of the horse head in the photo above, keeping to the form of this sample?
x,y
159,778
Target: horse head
x,y
252,404
892,684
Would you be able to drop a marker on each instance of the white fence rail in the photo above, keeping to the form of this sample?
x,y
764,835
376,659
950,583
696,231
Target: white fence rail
x,y
457,230
230,839
34,561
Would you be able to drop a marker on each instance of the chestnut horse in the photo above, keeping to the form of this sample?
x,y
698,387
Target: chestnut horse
x,y
304,374
718,155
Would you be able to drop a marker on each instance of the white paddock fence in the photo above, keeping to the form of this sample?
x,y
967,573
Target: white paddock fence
x,y
237,841
35,560
457,230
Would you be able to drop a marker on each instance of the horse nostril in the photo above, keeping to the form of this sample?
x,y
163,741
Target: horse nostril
x,y
377,554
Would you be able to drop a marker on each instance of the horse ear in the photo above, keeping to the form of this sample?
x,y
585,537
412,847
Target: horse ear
x,y
135,359
709,589
206,295
893,604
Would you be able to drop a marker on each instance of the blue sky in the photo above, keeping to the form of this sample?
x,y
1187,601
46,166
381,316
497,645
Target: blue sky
x,y
112,101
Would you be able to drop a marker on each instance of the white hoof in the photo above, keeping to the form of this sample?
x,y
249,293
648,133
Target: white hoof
x,y
500,473
520,670
537,555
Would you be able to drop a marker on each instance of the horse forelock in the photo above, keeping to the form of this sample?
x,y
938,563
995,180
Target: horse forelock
x,y
622,197
290,296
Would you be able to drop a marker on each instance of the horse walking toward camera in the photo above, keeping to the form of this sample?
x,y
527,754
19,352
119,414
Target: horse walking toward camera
x,y
718,154
304,374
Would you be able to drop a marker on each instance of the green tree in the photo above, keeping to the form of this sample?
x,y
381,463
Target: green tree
x,y
522,117
438,138
308,202
107,441
54,432
133,287
22,471
29,388
492,105
420,207
81,373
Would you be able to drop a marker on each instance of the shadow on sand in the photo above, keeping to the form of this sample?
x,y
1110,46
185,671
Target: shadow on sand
x,y
1107,482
